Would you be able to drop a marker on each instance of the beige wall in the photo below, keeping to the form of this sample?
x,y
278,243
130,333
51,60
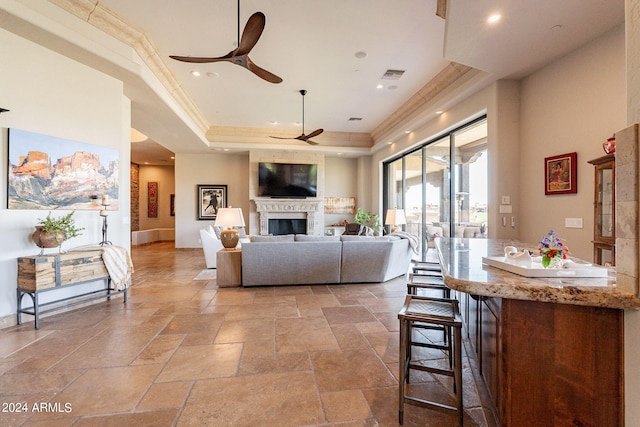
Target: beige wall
x,y
165,177
231,170
574,104
341,180
53,95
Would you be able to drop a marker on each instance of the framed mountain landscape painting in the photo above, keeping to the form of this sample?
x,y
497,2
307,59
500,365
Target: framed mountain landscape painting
x,y
47,172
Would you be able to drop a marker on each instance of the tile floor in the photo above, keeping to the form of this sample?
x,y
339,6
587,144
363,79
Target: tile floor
x,y
186,353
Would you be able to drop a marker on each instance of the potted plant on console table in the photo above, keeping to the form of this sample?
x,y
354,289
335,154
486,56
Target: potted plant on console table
x,y
51,232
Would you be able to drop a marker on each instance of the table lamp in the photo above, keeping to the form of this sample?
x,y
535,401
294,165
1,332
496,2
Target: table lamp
x,y
229,217
395,217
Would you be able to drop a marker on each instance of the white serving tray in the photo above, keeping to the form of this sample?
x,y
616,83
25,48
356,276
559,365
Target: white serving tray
x,y
536,269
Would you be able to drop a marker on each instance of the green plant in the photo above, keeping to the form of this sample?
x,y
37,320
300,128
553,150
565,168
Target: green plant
x,y
64,224
368,219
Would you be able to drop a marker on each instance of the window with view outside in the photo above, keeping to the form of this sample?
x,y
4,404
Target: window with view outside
x,y
421,183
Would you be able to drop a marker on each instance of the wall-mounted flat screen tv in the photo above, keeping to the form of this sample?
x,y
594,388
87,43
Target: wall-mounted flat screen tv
x,y
287,180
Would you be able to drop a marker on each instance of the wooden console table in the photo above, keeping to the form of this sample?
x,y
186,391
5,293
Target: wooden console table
x,y
229,268
42,273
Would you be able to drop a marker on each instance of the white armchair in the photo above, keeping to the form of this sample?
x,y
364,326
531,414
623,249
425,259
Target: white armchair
x,y
210,245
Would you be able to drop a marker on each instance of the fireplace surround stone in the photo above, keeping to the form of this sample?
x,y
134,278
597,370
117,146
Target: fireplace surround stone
x,y
308,209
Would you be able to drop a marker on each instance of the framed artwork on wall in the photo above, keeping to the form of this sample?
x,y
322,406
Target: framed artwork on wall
x,y
210,199
561,174
152,197
340,205
47,172
172,205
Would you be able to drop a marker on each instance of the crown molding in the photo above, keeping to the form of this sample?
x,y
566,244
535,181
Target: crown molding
x,y
94,13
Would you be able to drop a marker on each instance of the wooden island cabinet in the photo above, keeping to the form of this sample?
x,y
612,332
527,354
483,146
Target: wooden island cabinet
x,y
550,350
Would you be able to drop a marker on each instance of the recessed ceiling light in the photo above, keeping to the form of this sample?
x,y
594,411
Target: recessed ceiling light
x,y
407,131
494,18
380,86
339,154
439,112
225,149
212,74
392,87
137,136
195,73
389,142
146,163
360,54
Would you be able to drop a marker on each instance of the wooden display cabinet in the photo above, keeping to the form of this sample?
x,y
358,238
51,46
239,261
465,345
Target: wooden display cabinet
x,y
604,233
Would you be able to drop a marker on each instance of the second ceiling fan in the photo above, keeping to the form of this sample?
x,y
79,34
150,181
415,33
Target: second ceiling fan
x,y
303,137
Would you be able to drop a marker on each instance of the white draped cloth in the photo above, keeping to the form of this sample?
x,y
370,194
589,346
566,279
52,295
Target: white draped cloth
x,y
413,240
116,260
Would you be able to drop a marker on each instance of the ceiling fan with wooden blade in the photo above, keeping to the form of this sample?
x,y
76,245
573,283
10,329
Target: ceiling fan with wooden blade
x,y
303,137
240,56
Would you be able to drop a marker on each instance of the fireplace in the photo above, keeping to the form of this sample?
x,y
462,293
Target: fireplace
x,y
307,211
281,226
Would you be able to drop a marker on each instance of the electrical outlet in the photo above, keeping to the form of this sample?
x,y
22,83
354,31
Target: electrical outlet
x,y
573,222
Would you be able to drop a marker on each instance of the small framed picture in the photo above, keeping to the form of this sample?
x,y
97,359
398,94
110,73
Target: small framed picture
x,y
210,199
561,174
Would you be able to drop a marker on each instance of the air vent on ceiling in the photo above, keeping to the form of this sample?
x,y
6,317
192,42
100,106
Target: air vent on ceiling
x,y
392,74
355,119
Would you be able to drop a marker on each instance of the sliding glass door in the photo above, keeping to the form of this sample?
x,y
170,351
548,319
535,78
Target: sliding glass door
x,y
442,186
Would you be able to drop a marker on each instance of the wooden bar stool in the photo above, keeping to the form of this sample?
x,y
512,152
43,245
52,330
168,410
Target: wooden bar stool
x,y
426,266
419,312
427,283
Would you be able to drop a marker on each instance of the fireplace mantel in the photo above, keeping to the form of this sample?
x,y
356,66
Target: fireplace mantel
x,y
289,208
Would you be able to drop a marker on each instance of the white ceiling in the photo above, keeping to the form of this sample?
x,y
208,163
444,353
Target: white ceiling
x,y
312,45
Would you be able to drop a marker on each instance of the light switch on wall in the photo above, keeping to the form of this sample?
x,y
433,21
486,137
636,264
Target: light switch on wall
x,y
573,222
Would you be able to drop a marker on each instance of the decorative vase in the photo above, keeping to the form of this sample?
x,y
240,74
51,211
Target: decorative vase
x,y
43,239
610,146
555,262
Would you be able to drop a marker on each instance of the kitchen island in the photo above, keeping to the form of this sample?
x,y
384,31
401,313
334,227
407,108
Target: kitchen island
x,y
550,350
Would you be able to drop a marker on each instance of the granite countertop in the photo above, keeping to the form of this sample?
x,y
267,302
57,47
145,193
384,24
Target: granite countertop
x,y
463,270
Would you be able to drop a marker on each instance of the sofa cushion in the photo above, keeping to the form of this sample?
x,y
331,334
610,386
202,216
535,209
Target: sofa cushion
x,y
369,260
348,238
309,238
264,239
291,263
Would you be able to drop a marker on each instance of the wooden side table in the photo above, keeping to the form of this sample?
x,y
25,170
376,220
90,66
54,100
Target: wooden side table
x,y
229,268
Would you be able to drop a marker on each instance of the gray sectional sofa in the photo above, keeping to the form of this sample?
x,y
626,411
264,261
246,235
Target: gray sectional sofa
x,y
302,259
